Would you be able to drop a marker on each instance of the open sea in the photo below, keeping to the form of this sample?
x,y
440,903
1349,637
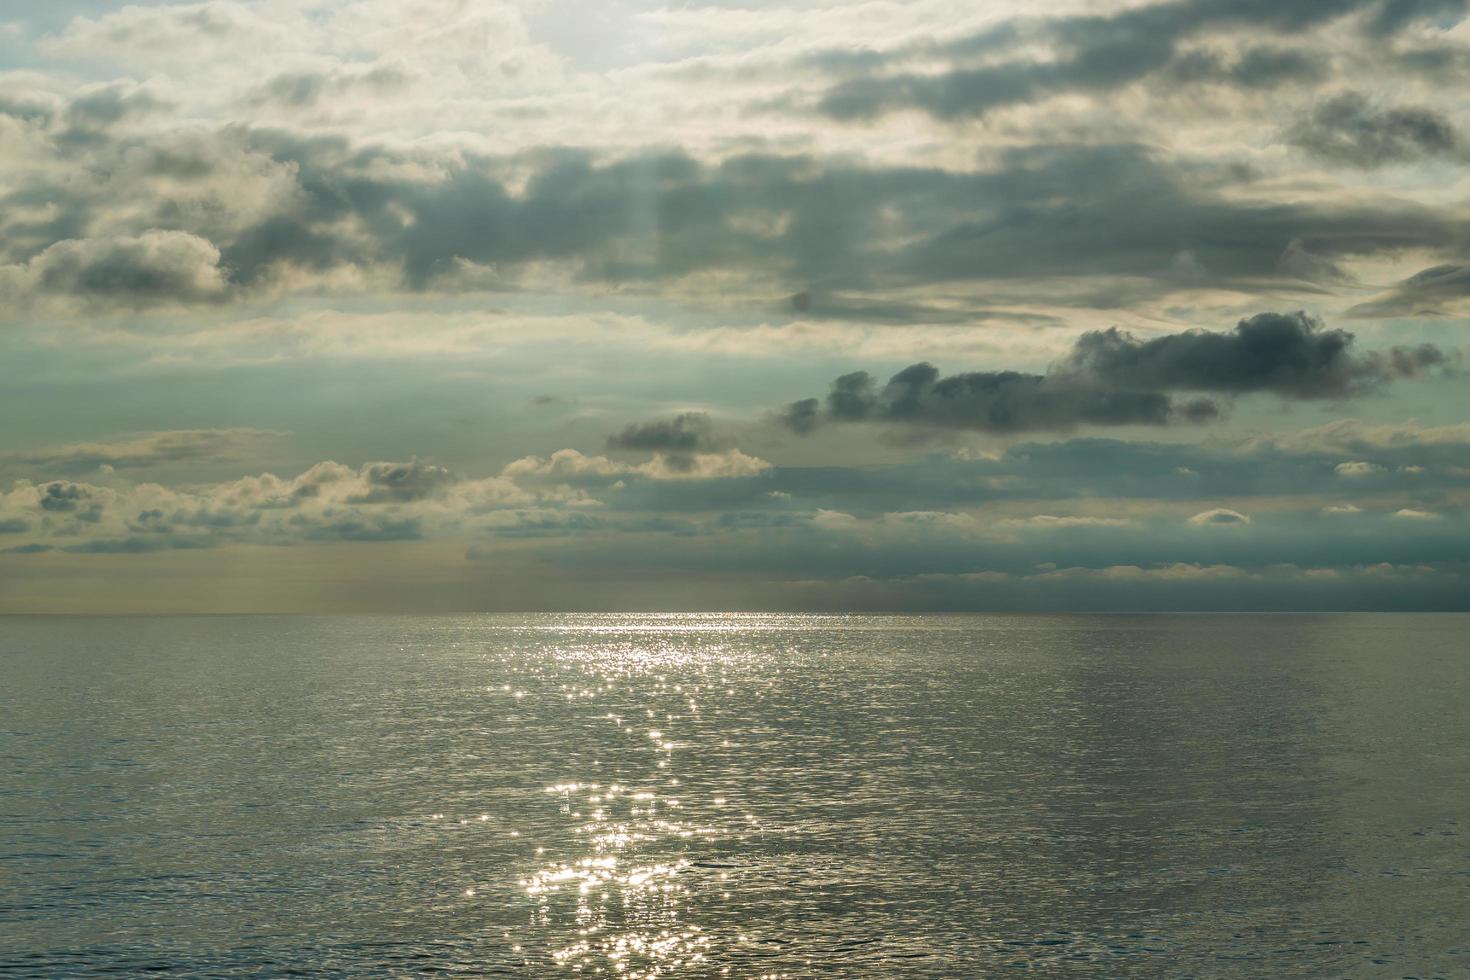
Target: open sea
x,y
735,795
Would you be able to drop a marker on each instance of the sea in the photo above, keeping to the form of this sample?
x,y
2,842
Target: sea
x,y
751,796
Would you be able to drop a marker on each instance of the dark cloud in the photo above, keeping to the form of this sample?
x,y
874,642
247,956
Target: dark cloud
x,y
28,107
1290,354
832,229
685,433
87,118
1120,211
14,525
65,498
1111,378
990,401
138,546
1424,293
1349,129
1101,53
1257,68
1393,16
154,267
110,105
801,416
401,482
1442,63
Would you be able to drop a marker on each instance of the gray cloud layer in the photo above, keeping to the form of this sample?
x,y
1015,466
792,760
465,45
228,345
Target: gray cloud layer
x,y
228,214
1431,291
1349,129
144,451
1111,378
1101,53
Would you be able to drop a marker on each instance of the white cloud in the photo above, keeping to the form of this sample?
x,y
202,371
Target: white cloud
x,y
569,464
1219,517
1356,468
1052,521
1176,572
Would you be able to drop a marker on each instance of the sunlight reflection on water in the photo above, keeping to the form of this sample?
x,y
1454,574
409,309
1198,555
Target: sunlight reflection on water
x,y
777,796
626,906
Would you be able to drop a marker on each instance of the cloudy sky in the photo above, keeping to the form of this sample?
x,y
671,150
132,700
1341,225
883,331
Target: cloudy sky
x,y
485,304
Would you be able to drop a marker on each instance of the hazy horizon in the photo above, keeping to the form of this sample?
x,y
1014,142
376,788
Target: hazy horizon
x,y
451,306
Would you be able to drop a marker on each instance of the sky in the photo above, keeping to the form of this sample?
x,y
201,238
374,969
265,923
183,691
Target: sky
x,y
448,305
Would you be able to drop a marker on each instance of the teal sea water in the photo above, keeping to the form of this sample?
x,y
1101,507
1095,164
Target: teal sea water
x,y
744,796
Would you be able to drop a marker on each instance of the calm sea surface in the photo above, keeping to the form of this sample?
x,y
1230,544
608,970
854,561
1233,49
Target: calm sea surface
x,y
793,796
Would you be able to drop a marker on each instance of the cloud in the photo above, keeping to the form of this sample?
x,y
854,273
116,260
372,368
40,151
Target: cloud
x,y
1290,354
1111,378
145,35
104,106
238,213
684,433
408,193
379,501
1261,67
1432,291
1097,54
1135,587
1414,514
66,498
1348,129
401,482
147,450
305,90
1054,522
569,465
1219,517
1393,16
1354,436
730,465
153,267
992,401
1099,513
136,546
1176,572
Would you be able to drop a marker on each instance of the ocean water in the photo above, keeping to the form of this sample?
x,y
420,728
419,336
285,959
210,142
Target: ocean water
x,y
743,796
